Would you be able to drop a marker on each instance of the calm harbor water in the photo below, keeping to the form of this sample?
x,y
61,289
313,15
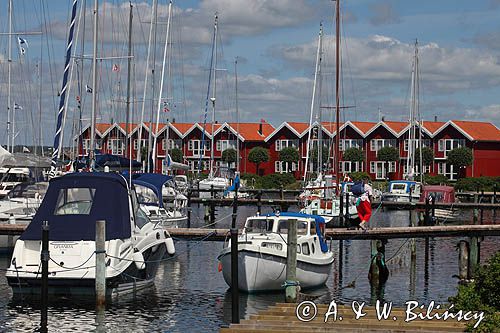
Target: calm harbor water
x,y
190,295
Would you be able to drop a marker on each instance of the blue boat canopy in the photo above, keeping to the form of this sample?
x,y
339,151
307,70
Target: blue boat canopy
x,y
153,181
320,221
410,183
74,202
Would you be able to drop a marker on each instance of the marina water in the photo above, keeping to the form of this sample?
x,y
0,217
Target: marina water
x,y
190,295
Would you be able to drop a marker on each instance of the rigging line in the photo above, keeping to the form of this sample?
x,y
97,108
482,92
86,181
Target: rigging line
x,y
75,267
48,29
349,68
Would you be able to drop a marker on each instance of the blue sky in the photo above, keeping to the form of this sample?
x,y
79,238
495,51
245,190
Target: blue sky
x,y
275,42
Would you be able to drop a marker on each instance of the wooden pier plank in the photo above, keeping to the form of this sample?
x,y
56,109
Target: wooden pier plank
x,y
281,318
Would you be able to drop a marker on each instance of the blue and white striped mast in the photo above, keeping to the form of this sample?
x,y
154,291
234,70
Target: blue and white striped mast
x,y
60,115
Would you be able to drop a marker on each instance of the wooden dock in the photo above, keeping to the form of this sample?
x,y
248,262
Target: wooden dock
x,y
282,318
210,234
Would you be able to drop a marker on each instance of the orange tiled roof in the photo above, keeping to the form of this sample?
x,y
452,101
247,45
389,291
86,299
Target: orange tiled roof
x,y
182,127
102,127
130,127
299,127
363,126
250,131
480,131
396,126
432,126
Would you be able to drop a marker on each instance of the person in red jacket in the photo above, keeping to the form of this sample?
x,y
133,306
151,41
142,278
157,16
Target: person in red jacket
x,y
364,206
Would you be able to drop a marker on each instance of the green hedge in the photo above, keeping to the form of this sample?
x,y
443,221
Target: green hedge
x,y
436,180
483,294
478,183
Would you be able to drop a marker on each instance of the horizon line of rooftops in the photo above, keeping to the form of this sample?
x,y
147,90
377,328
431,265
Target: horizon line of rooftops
x,y
263,131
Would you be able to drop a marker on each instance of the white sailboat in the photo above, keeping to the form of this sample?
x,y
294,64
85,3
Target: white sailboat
x,y
319,195
217,179
409,188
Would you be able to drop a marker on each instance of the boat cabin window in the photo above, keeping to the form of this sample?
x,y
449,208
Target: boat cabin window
x,y
298,249
305,249
28,191
312,246
259,226
141,218
438,196
74,201
13,177
398,187
145,195
283,227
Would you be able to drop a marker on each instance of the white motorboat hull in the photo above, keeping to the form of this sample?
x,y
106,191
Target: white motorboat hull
x,y
259,272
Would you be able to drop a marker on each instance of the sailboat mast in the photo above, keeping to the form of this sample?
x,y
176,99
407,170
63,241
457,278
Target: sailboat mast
x,y
320,127
337,88
214,92
139,137
237,115
316,70
129,69
56,153
412,142
94,86
9,74
155,140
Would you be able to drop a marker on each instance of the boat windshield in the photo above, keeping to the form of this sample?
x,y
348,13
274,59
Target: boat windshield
x,y
13,177
145,195
301,227
259,226
28,191
399,187
438,196
74,201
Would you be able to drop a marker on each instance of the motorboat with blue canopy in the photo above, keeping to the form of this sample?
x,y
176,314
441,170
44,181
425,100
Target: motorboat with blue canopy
x,y
262,252
402,191
72,205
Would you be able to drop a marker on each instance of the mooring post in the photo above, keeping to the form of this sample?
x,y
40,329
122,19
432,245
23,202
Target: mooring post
x,y
476,212
347,216
10,238
427,215
341,211
235,297
291,283
463,260
189,193
212,204
100,263
494,198
259,202
433,210
482,200
282,194
411,206
44,258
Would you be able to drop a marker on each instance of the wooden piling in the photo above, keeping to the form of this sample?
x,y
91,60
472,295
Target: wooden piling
x,y
463,260
291,289
189,194
44,258
259,202
100,263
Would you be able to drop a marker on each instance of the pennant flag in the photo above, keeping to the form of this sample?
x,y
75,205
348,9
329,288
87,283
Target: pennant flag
x,y
88,88
25,149
116,68
22,41
165,107
22,50
17,107
78,98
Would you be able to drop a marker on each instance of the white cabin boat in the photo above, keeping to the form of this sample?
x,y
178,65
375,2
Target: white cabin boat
x,y
72,204
262,253
402,191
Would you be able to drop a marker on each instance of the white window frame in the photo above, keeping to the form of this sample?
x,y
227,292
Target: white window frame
x,y
349,166
143,143
447,145
197,150
425,143
283,143
345,144
448,171
222,145
116,146
377,144
281,167
379,168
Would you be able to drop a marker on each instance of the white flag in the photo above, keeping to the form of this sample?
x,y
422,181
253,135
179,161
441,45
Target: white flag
x,y
88,88
17,107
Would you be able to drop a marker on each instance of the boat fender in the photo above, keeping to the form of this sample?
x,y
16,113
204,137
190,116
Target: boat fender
x,y
170,246
139,260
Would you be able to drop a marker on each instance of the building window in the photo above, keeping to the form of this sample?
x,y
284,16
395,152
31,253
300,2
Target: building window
x,y
377,144
85,146
348,166
448,171
144,143
172,144
427,169
193,165
379,168
425,143
195,147
222,145
345,144
116,146
447,145
284,167
280,144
